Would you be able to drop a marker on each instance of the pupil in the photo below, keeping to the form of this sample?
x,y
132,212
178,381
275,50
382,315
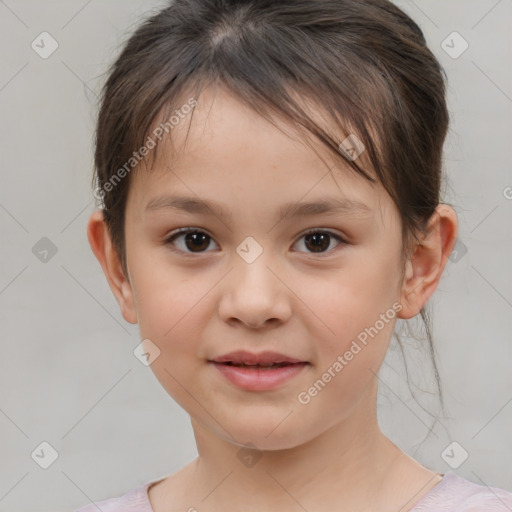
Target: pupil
x,y
319,241
197,237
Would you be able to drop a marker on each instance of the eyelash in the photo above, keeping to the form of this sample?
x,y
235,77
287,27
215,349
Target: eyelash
x,y
183,231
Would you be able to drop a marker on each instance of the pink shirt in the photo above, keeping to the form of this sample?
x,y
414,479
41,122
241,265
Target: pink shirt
x,y
452,494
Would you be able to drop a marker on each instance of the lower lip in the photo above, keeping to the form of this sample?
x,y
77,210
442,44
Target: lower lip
x,y
259,379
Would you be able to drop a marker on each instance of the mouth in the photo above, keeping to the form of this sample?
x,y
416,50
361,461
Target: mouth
x,y
244,359
262,366
258,372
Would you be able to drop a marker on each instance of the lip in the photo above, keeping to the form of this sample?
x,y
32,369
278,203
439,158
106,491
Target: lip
x,y
258,378
267,357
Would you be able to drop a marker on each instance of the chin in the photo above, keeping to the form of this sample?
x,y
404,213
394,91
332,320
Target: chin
x,y
266,437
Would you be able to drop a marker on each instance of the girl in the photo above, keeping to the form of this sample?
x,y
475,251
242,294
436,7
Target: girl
x,y
270,175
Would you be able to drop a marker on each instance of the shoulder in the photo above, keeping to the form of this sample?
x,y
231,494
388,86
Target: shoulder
x,y
477,496
457,494
135,500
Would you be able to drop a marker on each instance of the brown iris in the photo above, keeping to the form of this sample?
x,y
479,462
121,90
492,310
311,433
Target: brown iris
x,y
319,241
198,240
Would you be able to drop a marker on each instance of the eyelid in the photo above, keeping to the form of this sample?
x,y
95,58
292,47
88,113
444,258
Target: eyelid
x,y
324,230
176,233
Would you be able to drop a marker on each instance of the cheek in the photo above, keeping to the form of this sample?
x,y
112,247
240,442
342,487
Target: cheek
x,y
345,302
358,317
174,308
172,314
167,305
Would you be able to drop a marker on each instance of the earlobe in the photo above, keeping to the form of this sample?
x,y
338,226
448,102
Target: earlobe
x,y
101,245
425,268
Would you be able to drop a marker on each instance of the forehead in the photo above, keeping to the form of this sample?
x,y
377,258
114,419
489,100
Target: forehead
x,y
224,149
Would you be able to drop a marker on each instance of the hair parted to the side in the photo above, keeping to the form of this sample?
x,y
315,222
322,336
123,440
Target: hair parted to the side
x,y
363,62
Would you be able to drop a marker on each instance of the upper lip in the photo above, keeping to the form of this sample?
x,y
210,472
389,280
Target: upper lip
x,y
267,357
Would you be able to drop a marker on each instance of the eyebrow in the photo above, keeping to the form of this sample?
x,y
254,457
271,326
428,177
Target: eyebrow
x,y
207,207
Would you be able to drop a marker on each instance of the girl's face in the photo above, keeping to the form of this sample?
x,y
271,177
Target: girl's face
x,y
253,281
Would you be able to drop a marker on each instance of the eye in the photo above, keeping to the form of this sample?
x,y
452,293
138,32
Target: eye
x,y
317,240
195,240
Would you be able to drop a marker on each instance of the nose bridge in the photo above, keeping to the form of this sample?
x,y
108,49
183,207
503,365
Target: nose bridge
x,y
252,270
253,293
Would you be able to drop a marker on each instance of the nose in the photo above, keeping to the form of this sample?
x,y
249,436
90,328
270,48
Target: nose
x,y
255,294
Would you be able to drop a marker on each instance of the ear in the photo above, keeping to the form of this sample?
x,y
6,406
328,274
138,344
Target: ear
x,y
101,244
424,270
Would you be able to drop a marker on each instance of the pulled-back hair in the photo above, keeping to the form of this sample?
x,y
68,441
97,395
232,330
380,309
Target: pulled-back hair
x,y
365,63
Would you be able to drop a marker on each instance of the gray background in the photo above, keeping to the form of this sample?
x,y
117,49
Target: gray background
x,y
68,375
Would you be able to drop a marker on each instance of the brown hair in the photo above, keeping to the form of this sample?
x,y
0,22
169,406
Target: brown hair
x,y
364,62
